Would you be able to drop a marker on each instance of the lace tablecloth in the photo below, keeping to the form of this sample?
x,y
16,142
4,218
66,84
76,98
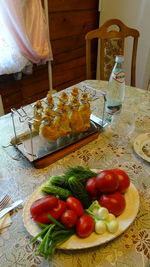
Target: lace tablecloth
x,y
19,178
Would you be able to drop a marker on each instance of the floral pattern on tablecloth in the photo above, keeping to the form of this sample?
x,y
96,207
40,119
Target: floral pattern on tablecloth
x,y
19,179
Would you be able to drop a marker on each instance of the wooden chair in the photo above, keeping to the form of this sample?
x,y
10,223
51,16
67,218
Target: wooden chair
x,y
111,44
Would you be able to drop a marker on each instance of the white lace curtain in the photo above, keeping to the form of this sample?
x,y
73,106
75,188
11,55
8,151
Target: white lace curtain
x,y
24,35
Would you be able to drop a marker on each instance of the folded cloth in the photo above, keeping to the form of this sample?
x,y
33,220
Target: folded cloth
x,y
5,221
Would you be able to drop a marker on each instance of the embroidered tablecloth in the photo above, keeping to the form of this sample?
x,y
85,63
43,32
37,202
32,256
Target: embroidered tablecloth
x,y
19,179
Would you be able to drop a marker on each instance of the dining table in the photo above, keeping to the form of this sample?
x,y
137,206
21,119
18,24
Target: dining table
x,y
19,178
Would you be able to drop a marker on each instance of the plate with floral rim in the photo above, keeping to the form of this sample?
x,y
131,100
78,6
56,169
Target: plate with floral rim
x,y
141,146
75,242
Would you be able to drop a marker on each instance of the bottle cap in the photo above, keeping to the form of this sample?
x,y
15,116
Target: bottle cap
x,y
119,59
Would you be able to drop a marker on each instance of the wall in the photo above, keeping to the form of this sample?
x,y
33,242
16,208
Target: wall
x,y
69,21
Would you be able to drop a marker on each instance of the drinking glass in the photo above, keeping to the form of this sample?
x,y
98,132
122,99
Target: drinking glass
x,y
123,125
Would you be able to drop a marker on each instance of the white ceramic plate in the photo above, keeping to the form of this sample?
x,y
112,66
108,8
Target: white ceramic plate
x,y
74,243
141,146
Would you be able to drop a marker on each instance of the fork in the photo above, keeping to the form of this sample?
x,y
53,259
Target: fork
x,y
4,202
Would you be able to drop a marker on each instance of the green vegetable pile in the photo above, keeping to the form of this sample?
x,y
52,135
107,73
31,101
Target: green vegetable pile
x,y
71,184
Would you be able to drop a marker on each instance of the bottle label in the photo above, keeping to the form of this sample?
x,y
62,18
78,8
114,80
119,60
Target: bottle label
x,y
119,76
113,109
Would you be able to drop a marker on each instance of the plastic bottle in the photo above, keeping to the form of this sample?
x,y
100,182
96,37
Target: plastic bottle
x,y
116,89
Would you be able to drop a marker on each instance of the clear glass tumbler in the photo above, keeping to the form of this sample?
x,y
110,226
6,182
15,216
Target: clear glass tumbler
x,y
123,126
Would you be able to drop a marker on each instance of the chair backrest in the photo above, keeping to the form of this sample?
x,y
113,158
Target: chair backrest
x,y
111,44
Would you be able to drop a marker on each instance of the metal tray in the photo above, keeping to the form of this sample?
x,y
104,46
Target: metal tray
x,y
35,148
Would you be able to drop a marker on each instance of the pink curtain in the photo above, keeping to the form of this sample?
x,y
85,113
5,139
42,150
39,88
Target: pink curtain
x,y
27,25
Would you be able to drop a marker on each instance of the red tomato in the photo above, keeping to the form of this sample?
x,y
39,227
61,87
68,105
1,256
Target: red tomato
x,y
69,218
42,218
43,204
124,180
91,186
114,202
107,181
85,226
55,213
75,205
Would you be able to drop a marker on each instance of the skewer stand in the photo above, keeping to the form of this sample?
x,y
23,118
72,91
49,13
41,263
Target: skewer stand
x,y
42,153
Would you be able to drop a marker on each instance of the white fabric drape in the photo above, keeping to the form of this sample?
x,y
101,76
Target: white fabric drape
x,y
23,35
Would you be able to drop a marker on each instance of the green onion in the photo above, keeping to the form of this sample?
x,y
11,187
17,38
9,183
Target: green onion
x,y
40,234
52,236
42,225
55,221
